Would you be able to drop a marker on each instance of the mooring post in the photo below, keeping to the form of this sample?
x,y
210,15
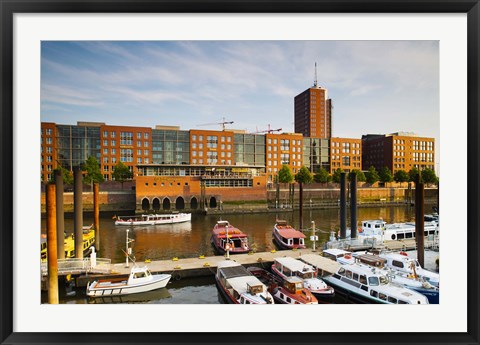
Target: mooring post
x,y
52,260
78,212
96,215
419,221
300,210
60,214
343,207
353,205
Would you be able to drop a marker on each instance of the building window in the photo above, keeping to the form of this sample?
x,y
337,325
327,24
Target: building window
x,y
113,134
126,138
105,134
49,141
194,137
139,143
49,131
145,135
145,144
113,151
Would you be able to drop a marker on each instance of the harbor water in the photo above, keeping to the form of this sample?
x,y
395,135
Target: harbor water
x,y
192,239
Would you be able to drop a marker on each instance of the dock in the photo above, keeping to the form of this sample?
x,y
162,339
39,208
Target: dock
x,y
207,266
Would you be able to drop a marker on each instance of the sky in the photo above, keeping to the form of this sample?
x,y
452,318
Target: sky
x,y
375,86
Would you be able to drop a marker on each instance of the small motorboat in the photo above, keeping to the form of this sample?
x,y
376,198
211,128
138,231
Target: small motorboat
x,y
226,237
139,280
286,237
289,291
238,286
289,267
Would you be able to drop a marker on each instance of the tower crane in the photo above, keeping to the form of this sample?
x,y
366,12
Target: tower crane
x,y
269,130
223,123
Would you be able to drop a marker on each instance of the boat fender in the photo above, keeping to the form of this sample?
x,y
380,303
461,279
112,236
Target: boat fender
x,y
360,230
403,253
348,256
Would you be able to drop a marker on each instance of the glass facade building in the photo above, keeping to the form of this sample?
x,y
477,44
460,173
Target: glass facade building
x,y
249,149
316,154
170,147
76,143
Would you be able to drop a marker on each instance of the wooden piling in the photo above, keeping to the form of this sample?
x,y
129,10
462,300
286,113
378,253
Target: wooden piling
x,y
343,207
419,221
96,215
52,245
300,210
353,205
78,212
60,214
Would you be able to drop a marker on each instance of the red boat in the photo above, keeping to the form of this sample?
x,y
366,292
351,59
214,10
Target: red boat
x,y
227,237
289,291
287,237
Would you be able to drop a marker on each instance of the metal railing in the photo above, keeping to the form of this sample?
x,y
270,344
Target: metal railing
x,y
78,266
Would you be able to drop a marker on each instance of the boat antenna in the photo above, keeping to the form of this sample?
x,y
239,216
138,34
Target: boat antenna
x,y
315,82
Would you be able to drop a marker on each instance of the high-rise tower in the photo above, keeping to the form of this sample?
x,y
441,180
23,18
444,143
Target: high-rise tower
x,y
313,112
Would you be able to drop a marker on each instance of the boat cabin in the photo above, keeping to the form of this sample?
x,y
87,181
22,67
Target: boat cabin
x,y
293,285
371,260
373,227
291,267
139,275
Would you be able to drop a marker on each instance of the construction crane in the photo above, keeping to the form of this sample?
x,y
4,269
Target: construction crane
x,y
269,130
223,123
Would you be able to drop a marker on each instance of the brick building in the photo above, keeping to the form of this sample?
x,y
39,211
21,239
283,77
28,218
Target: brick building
x,y
398,151
345,154
313,113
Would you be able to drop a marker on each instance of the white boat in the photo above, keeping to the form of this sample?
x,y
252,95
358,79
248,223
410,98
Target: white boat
x,y
403,263
339,255
289,267
382,231
238,286
139,280
153,219
365,284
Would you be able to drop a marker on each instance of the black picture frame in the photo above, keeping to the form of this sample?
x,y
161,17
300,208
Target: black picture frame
x,y
9,8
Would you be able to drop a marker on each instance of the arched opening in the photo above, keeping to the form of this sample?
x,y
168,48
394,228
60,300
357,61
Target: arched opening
x,y
166,204
194,203
213,202
145,204
156,204
180,203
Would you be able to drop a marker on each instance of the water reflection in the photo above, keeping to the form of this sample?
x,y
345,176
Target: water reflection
x,y
192,239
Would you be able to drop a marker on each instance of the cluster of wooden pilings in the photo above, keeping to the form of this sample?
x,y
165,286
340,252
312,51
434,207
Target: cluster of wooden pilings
x,y
56,227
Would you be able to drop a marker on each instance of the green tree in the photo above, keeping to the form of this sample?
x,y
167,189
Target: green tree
x,y
385,175
285,174
372,175
322,176
92,169
336,175
121,173
66,175
413,173
360,175
303,176
401,176
429,176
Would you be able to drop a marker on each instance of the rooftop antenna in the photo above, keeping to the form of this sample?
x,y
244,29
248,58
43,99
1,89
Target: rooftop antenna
x,y
315,80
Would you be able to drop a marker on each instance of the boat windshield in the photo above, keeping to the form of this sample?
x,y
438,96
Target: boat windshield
x,y
373,281
306,275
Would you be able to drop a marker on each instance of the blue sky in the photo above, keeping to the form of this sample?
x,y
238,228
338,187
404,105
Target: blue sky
x,y
376,86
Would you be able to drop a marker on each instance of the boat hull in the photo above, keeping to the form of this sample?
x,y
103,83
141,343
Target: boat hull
x,y
220,250
97,290
350,295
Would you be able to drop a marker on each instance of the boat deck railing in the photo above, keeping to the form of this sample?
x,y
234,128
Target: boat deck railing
x,y
430,242
80,266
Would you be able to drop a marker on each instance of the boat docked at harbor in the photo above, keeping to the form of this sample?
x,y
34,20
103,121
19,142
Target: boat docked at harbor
x,y
365,284
401,262
289,267
152,219
226,237
238,286
288,291
140,280
339,255
88,234
286,237
381,231
408,280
